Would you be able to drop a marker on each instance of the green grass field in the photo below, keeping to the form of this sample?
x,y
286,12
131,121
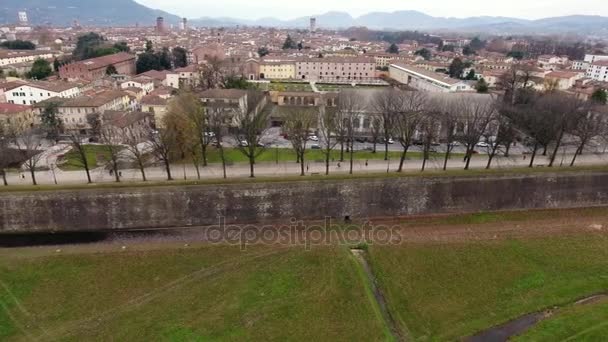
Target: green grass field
x,y
205,293
576,323
436,291
94,153
447,291
287,86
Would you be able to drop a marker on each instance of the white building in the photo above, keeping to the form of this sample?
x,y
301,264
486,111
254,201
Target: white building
x,y
8,57
595,58
422,79
598,71
145,83
37,91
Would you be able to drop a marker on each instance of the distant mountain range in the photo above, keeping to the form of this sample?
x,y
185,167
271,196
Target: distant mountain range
x,y
129,12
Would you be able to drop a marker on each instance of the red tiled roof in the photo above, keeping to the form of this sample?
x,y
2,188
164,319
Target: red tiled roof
x,y
11,108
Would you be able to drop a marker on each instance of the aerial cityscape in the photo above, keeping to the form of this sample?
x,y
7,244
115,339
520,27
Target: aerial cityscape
x,y
245,171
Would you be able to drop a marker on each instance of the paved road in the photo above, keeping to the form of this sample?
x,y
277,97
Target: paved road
x,y
293,169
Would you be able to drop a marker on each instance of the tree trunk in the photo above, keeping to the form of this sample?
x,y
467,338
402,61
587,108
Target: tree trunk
x,y
494,148
3,171
579,150
374,148
223,160
116,175
204,153
341,150
168,169
198,171
251,163
533,155
302,163
352,155
386,149
327,162
545,150
33,174
402,159
425,156
468,156
508,149
142,171
447,156
557,146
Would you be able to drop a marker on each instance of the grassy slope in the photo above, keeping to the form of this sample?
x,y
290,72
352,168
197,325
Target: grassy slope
x,y
447,291
576,323
218,293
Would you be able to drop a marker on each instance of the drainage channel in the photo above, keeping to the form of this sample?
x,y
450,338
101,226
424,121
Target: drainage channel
x,y
379,299
503,332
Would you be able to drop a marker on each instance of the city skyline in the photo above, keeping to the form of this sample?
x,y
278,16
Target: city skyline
x,y
243,9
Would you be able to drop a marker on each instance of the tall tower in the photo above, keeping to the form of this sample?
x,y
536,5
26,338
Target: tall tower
x,y
184,24
313,24
160,24
22,17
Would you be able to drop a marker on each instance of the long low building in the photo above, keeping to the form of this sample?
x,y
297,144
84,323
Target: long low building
x,y
96,68
422,79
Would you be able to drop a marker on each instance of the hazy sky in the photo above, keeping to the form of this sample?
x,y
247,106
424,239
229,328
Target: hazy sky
x,y
289,9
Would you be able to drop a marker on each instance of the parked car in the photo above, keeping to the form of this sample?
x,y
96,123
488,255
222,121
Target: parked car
x,y
361,139
313,138
315,147
482,144
243,143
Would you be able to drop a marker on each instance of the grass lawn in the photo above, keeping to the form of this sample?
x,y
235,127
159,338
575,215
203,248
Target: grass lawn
x,y
209,293
445,291
233,155
277,86
94,153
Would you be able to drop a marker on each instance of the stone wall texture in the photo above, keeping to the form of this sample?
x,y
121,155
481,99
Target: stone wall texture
x,y
179,206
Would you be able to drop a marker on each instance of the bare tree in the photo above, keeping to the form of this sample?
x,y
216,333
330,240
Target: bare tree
x,y
133,140
516,83
297,125
109,136
218,120
163,142
566,112
185,116
409,111
5,155
504,137
475,114
79,146
587,127
191,107
27,142
327,127
251,122
376,129
211,73
448,122
385,103
429,131
350,107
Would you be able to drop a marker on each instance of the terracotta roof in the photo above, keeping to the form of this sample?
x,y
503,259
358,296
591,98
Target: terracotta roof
x,y
122,119
155,74
11,108
600,63
153,100
56,87
223,94
561,74
105,61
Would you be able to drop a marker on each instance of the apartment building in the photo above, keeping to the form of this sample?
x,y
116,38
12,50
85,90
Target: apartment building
x,y
36,91
145,83
95,68
598,71
279,69
16,116
186,76
8,57
336,69
561,80
426,80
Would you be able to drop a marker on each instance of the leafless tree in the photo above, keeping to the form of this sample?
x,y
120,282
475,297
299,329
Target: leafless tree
x,y
588,126
327,127
211,73
448,120
5,155
475,114
191,107
350,107
566,112
386,103
27,142
163,142
79,146
516,82
376,128
110,137
505,135
410,106
429,131
251,122
218,119
133,140
297,125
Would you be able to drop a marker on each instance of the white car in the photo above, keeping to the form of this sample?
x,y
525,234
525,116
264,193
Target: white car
x,y
243,143
391,141
313,138
482,144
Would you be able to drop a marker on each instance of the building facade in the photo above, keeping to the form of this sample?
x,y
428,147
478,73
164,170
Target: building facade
x,y
95,68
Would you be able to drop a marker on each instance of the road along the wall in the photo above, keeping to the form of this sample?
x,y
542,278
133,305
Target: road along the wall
x,y
179,206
